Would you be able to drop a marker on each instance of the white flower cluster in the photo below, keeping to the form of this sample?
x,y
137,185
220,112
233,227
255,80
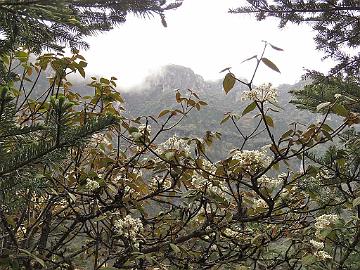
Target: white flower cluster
x,y
143,127
251,161
91,185
130,192
259,203
320,253
316,244
272,182
325,221
264,92
235,232
130,228
123,181
174,143
99,138
201,183
324,174
323,255
230,233
208,166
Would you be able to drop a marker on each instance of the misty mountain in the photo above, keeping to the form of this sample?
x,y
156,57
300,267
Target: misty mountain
x,y
158,93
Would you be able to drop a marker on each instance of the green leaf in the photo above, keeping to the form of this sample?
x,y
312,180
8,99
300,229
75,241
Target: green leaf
x,y
287,134
226,118
175,248
81,71
249,108
269,121
356,202
104,81
82,64
229,82
162,113
270,64
309,259
339,109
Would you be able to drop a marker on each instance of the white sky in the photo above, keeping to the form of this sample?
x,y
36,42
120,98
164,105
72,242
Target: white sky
x,y
203,36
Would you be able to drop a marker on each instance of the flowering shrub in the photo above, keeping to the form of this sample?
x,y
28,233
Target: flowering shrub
x,y
127,199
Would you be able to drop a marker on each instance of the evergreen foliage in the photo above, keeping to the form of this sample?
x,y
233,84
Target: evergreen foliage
x,y
44,24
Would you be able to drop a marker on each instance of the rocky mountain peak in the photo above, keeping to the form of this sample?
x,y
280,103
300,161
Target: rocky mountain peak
x,y
171,77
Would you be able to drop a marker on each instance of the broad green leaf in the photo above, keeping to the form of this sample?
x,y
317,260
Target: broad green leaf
x,y
249,108
175,248
81,71
270,64
326,127
82,64
309,259
104,81
339,109
169,155
229,82
287,134
269,121
162,113
356,202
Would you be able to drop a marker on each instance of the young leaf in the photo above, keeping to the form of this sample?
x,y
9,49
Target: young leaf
x,y
275,47
225,119
269,121
225,69
229,82
340,110
162,113
175,248
249,108
356,202
247,59
270,64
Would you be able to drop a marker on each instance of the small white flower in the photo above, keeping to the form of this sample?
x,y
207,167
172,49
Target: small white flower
x,y
91,185
260,203
143,128
251,161
325,221
264,92
323,255
174,143
130,228
230,233
316,244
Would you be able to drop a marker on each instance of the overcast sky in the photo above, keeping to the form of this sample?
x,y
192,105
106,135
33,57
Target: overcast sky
x,y
203,36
